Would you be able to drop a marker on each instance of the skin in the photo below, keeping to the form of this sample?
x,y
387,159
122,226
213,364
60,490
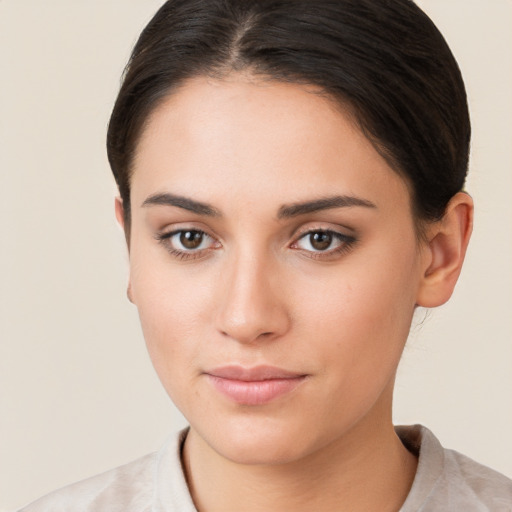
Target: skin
x,y
257,291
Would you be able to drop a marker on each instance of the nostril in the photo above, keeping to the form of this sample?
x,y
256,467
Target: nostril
x,y
248,336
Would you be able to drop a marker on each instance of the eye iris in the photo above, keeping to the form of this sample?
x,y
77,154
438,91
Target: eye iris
x,y
320,240
191,239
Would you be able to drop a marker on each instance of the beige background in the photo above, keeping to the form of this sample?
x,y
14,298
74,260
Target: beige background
x,y
77,391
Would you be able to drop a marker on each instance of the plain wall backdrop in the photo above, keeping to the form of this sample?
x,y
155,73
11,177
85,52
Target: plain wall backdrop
x,y
78,394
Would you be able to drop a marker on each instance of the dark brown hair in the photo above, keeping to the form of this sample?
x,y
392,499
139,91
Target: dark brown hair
x,y
384,58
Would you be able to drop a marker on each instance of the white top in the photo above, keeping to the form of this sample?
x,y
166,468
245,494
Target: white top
x,y
445,481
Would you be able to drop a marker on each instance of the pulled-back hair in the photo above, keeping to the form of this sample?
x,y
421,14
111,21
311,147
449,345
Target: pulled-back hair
x,y
385,59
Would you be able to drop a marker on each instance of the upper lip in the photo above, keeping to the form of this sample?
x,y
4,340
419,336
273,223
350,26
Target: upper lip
x,y
255,373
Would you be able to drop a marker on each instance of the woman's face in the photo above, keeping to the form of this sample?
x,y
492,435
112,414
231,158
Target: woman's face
x,y
274,264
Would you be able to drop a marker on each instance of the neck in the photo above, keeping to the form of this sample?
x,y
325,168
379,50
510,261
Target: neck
x,y
366,469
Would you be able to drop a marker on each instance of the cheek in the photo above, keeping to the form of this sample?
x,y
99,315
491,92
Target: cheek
x,y
173,312
360,314
365,297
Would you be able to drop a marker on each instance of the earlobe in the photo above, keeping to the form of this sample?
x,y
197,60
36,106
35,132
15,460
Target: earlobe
x,y
129,292
446,248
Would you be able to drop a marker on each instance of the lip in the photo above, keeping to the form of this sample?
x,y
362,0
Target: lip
x,y
254,386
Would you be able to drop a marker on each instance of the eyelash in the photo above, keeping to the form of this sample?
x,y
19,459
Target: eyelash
x,y
165,240
346,244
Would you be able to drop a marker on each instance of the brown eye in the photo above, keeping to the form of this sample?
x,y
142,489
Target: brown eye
x,y
191,239
323,241
187,242
320,240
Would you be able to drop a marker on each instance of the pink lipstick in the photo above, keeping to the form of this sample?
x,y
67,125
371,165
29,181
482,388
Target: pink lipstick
x,y
254,386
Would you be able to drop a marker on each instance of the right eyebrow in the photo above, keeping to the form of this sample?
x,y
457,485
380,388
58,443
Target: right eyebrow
x,y
185,203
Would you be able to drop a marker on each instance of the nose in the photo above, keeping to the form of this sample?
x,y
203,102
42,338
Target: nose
x,y
253,305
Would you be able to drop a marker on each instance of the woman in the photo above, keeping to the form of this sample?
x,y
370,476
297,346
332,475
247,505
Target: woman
x,y
290,178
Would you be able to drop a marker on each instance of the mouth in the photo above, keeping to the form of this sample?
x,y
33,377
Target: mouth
x,y
254,386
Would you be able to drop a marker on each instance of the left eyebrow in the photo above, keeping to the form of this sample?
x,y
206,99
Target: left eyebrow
x,y
326,203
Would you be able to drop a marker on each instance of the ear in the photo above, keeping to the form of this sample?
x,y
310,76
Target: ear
x,y
119,212
445,251
119,209
120,216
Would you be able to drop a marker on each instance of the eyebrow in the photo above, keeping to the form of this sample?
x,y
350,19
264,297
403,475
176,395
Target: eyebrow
x,y
296,209
285,211
182,202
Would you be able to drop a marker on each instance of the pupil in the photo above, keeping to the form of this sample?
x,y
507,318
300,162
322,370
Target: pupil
x,y
321,241
191,239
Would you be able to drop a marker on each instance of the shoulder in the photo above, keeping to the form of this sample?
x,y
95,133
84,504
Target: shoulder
x,y
153,482
126,488
448,480
479,483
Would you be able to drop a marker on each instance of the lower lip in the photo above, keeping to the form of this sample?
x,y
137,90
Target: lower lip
x,y
255,392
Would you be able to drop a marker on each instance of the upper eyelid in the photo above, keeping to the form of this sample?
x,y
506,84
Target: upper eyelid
x,y
322,230
164,238
298,233
340,236
172,230
341,231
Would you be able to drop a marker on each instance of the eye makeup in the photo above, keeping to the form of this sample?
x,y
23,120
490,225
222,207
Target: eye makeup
x,y
189,243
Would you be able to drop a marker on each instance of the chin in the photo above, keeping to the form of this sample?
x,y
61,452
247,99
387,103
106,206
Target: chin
x,y
251,441
261,452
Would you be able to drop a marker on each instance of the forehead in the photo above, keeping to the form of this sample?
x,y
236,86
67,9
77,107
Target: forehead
x,y
254,139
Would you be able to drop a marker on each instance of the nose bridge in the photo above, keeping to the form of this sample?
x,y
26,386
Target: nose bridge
x,y
252,304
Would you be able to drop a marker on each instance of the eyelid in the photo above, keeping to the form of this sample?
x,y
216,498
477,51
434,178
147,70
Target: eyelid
x,y
171,234
343,231
177,227
347,242
164,238
336,234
